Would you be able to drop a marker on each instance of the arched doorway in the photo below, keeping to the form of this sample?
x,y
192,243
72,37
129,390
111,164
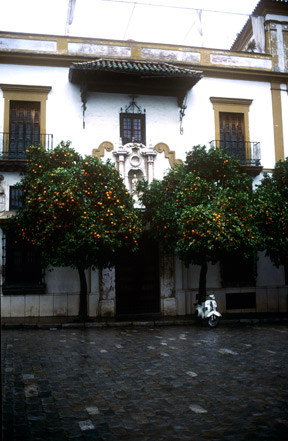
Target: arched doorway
x,y
137,280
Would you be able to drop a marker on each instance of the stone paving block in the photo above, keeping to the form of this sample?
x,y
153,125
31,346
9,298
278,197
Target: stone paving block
x,y
164,323
120,324
145,324
143,383
96,325
73,325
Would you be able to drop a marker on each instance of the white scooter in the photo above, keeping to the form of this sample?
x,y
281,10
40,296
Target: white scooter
x,y
208,311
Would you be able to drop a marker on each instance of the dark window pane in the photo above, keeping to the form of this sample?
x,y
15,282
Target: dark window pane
x,y
137,130
132,127
127,129
232,135
15,198
24,125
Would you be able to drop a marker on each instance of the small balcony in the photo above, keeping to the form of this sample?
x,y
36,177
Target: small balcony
x,y
248,153
13,147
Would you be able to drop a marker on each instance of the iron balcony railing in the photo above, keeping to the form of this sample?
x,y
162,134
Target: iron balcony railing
x,y
14,146
248,153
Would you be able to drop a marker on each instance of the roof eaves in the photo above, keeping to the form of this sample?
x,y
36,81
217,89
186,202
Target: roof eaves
x,y
134,66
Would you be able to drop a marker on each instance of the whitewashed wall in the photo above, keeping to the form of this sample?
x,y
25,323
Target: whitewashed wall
x,y
201,126
270,290
64,112
64,121
10,179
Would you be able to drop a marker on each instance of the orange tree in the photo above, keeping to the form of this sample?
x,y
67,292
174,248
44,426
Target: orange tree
x,y
76,210
202,210
272,213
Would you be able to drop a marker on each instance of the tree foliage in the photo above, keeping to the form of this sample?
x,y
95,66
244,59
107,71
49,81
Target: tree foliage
x,y
76,210
202,209
272,213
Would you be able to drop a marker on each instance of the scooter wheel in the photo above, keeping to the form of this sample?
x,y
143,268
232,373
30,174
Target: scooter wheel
x,y
213,321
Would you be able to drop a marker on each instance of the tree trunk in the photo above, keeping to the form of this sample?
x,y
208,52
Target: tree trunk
x,y
202,282
83,295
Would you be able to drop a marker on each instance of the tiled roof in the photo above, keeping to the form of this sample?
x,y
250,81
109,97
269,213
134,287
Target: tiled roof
x,y
137,77
149,68
271,5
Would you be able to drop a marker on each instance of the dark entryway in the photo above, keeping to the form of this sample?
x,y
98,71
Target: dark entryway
x,y
137,280
23,272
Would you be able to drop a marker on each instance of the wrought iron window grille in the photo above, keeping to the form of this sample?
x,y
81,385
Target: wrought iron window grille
x,y
133,107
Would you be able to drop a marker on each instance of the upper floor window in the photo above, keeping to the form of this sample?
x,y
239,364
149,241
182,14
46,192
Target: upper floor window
x,y
132,128
232,134
24,119
133,123
232,129
24,127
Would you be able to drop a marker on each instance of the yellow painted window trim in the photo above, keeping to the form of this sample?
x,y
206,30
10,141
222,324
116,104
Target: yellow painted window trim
x,y
231,105
16,92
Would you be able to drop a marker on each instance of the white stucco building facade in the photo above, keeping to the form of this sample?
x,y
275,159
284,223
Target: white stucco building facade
x,y
84,88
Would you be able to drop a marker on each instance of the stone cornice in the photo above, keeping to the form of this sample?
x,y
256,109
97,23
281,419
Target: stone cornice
x,y
62,51
27,89
48,48
208,71
237,101
245,74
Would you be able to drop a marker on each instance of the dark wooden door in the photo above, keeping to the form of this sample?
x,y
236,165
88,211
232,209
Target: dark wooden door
x,y
232,135
24,127
137,280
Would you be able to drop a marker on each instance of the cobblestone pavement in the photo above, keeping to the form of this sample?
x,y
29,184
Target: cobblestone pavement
x,y
146,384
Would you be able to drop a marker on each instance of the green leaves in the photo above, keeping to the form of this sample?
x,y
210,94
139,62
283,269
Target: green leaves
x,y
77,210
272,213
203,208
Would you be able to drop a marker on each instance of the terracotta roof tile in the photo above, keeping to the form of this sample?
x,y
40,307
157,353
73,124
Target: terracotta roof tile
x,y
136,67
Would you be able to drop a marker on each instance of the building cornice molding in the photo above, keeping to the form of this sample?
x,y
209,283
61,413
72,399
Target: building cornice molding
x,y
63,51
236,101
208,71
244,74
25,89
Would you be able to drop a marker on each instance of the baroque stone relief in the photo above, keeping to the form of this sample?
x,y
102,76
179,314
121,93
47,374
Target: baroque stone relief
x,y
136,161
